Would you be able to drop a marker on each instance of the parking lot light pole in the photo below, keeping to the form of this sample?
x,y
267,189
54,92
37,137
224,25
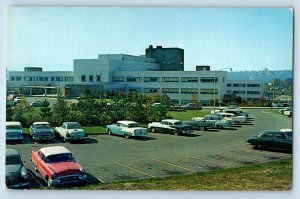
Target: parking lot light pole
x,y
215,73
273,80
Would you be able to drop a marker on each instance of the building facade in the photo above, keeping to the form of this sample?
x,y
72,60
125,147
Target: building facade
x,y
126,73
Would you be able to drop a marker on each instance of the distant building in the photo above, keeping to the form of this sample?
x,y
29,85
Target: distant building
x,y
126,73
169,59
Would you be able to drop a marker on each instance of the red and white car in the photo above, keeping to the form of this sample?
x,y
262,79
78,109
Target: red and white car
x,y
57,166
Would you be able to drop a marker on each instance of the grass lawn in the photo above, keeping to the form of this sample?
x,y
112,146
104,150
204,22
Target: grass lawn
x,y
271,176
188,114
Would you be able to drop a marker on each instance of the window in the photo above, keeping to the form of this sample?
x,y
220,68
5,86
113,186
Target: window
x,y
134,90
208,91
228,85
170,90
118,79
189,90
151,79
134,79
253,85
239,85
28,79
170,79
253,92
238,92
18,79
151,90
59,79
83,78
189,79
98,78
208,79
12,78
68,79
91,78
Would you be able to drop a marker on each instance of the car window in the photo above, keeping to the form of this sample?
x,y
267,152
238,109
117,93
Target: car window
x,y
118,124
73,126
65,157
42,126
132,125
289,135
123,125
14,127
10,160
280,136
178,123
266,135
163,122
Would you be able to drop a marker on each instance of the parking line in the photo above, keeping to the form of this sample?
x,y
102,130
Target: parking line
x,y
32,175
134,169
174,165
100,180
196,158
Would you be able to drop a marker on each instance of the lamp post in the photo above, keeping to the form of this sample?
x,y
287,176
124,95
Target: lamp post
x,y
215,73
273,80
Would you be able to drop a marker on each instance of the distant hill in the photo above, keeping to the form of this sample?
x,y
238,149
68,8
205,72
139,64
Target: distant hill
x,y
260,75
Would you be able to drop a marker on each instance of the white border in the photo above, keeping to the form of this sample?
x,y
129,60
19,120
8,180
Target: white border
x,y
152,194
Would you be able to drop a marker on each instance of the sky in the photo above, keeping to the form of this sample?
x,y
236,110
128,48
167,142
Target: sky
x,y
240,38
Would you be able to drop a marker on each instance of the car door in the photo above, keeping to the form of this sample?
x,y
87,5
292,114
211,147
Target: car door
x,y
281,141
41,167
117,129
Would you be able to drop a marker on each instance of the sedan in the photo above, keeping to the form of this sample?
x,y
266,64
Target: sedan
x,y
41,131
126,129
272,139
16,175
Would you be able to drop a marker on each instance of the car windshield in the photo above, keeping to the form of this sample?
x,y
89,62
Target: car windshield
x,y
11,160
177,123
73,126
65,157
132,125
14,127
42,126
289,135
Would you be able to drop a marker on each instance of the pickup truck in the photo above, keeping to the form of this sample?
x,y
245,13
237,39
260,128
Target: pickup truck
x,y
199,123
169,125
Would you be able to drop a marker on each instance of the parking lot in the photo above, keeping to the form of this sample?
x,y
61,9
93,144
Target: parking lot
x,y
109,159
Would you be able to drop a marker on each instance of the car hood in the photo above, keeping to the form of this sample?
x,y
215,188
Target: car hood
x,y
13,132
12,170
43,131
65,168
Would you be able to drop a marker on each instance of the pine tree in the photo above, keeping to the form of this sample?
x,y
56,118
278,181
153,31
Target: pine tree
x,y
46,112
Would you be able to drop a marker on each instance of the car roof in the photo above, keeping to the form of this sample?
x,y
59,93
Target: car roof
x,y
43,123
197,118
12,152
126,122
68,123
54,150
12,123
170,120
226,114
286,130
271,131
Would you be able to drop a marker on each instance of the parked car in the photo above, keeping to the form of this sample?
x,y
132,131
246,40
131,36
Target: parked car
x,y
126,129
14,131
16,175
57,166
191,106
198,123
10,103
272,139
236,118
41,131
236,112
36,104
216,121
17,99
69,131
169,125
289,131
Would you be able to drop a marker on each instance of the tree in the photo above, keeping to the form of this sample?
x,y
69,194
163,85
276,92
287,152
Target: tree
x,y
60,111
45,111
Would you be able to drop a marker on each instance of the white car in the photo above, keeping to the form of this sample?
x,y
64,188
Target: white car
x,y
217,121
236,119
69,131
126,129
287,130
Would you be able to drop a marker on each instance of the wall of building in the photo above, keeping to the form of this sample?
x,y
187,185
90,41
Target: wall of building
x,y
250,90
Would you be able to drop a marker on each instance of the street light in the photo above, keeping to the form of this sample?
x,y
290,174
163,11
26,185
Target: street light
x,y
273,80
215,73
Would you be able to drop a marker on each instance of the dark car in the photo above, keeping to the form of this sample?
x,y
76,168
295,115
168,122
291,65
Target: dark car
x,y
16,175
191,106
41,131
199,123
36,104
272,139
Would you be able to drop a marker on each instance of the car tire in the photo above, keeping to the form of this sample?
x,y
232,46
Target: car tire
x,y
153,130
201,128
109,132
175,132
48,181
36,169
63,139
126,136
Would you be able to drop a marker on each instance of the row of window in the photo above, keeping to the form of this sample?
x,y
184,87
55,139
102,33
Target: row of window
x,y
90,78
243,92
165,79
175,90
243,85
42,78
